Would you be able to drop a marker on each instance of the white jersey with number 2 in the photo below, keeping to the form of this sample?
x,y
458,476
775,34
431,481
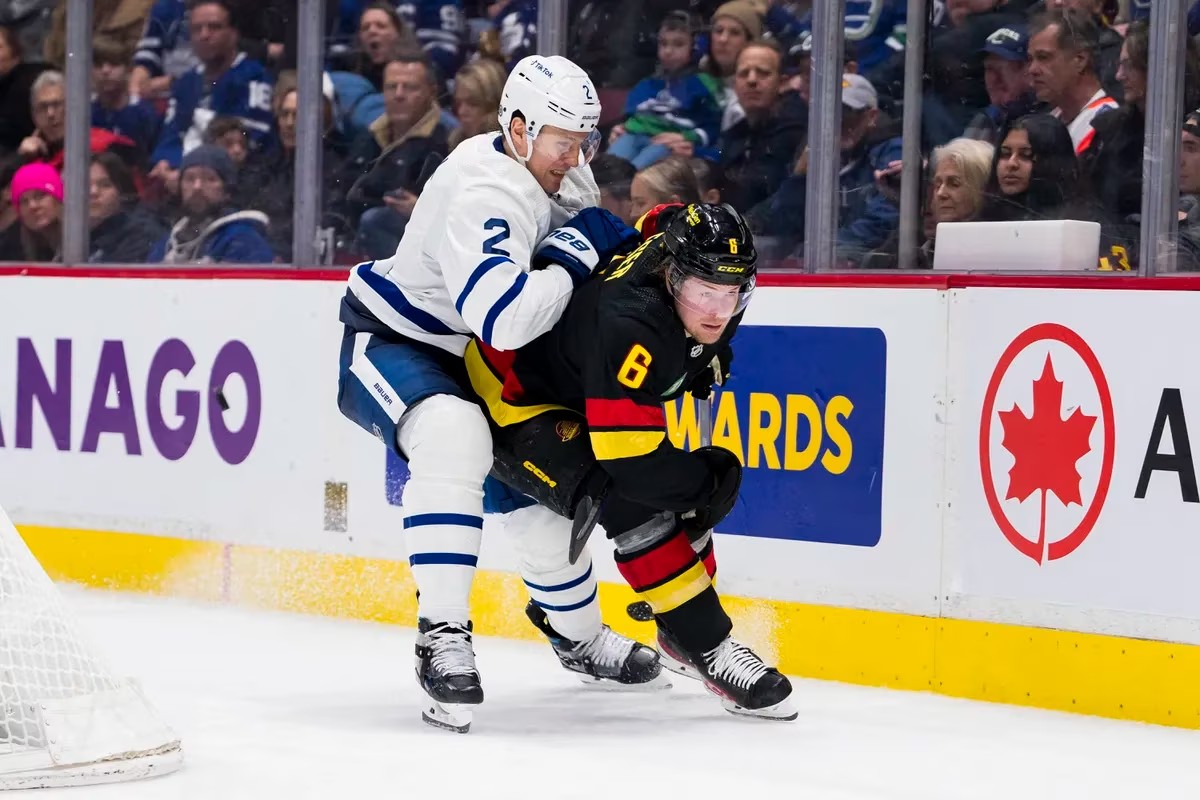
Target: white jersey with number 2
x,y
462,267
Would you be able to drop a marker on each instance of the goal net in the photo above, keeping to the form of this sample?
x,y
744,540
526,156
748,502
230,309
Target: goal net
x,y
65,718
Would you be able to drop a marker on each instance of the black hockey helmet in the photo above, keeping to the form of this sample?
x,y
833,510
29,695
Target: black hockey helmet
x,y
713,244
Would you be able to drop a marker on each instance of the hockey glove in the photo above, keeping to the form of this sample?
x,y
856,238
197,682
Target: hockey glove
x,y
715,374
590,238
727,480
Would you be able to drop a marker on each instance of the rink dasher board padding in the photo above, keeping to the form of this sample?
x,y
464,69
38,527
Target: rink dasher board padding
x,y
970,486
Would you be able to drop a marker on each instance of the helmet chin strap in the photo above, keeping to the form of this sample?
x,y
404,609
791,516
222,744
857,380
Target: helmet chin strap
x,y
524,159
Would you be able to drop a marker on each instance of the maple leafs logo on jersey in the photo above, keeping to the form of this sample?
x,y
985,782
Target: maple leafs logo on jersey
x,y
1045,447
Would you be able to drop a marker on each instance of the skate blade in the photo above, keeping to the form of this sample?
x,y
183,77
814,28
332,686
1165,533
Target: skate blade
x,y
783,711
448,716
659,683
678,667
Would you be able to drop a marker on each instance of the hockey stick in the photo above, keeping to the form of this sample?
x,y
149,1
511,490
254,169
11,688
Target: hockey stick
x,y
640,610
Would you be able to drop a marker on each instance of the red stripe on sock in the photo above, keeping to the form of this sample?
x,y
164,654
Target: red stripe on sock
x,y
651,567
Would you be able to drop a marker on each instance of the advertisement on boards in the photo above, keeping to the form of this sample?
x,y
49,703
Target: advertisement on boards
x,y
1070,480
172,407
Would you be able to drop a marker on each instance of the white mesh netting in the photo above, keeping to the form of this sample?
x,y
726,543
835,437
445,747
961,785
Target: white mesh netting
x,y
63,711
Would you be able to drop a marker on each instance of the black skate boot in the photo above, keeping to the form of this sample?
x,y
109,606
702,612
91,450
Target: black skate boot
x,y
608,660
744,683
446,672
674,657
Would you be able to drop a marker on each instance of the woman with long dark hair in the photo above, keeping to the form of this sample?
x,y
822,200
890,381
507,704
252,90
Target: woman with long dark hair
x,y
1035,175
1113,163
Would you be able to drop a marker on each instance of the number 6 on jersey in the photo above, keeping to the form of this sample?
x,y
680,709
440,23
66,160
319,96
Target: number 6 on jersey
x,y
634,368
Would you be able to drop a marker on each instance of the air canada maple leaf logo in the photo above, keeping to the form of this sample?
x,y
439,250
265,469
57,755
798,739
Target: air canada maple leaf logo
x,y
1045,447
1048,439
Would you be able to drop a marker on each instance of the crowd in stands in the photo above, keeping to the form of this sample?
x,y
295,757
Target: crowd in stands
x,y
1032,110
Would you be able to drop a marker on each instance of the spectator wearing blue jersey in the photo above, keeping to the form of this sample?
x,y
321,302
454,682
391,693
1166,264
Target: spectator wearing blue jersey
x,y
441,30
676,110
226,82
212,230
113,107
164,51
514,30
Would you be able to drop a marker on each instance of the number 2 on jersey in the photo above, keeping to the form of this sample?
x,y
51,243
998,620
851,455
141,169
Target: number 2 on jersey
x,y
489,244
634,368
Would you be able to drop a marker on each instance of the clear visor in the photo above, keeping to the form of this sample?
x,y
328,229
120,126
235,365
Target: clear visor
x,y
710,299
570,148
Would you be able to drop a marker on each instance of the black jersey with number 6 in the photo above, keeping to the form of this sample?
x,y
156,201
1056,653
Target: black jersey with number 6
x,y
619,351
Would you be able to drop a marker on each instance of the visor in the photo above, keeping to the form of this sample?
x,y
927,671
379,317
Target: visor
x,y
558,146
709,299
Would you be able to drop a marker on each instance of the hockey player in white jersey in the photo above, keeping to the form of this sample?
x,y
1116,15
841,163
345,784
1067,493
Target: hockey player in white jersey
x,y
503,231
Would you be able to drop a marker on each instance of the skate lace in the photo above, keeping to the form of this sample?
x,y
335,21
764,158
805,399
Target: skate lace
x,y
450,651
736,663
606,648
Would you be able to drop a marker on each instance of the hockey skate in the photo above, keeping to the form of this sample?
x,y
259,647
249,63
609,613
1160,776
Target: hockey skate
x,y
674,657
606,661
445,663
745,685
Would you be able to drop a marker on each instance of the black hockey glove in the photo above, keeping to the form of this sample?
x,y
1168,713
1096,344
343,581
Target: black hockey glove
x,y
715,374
727,480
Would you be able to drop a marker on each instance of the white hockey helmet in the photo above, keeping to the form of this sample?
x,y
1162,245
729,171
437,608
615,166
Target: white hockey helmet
x,y
551,90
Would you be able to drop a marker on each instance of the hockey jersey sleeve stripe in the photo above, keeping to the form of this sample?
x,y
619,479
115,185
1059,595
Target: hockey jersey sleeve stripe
x,y
624,413
612,445
391,294
465,520
484,267
506,299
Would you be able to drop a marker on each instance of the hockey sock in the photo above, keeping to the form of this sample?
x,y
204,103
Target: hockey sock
x,y
568,595
670,576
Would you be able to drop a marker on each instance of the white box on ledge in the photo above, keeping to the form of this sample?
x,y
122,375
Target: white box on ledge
x,y
1058,245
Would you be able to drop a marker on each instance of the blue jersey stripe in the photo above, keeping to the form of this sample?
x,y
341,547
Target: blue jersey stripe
x,y
395,298
449,559
562,587
465,520
573,606
484,267
489,322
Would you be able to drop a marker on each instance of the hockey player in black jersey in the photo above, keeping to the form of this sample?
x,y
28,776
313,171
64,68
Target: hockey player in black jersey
x,y
652,326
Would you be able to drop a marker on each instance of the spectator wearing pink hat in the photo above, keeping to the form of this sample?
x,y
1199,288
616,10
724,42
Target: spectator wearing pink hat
x,y
36,236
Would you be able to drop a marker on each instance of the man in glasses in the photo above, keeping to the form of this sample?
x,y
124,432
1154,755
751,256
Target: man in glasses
x,y
503,231
579,425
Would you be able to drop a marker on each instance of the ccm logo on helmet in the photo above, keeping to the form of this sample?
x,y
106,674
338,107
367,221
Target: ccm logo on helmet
x,y
730,268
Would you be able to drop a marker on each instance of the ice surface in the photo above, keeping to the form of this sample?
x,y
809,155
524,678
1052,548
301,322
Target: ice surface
x,y
273,705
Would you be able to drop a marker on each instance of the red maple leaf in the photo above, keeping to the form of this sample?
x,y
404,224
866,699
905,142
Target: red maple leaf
x,y
1045,448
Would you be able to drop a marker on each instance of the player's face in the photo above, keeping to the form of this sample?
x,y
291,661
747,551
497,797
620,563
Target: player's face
x,y
555,151
705,308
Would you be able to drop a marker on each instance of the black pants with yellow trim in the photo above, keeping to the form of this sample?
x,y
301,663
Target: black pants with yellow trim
x,y
545,452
